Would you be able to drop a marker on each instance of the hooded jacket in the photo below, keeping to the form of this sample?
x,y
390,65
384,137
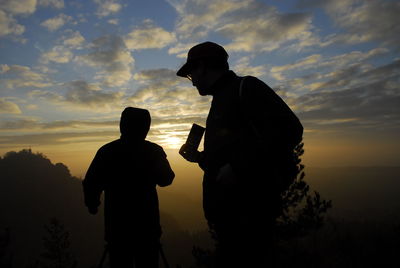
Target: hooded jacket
x,y
128,171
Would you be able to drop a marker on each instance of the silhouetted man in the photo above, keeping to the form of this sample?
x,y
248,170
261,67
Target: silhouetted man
x,y
248,148
128,170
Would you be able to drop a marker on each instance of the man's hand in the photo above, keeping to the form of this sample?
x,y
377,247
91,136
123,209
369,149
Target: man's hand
x,y
93,210
189,153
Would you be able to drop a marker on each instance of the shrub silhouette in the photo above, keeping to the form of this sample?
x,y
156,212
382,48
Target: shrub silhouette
x,y
301,212
57,248
5,252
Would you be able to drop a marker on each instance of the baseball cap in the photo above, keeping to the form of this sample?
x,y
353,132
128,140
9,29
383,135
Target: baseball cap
x,y
204,50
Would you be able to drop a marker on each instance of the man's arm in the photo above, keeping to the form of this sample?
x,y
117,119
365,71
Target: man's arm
x,y
164,173
93,184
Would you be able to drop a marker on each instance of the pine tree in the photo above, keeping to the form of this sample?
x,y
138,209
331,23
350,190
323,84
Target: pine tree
x,y
5,253
301,211
56,244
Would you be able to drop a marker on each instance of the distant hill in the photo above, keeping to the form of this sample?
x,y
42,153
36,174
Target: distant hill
x,y
362,193
33,190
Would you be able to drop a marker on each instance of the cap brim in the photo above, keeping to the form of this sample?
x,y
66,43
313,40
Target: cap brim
x,y
184,70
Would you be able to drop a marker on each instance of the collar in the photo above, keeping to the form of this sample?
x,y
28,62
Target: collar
x,y
130,140
222,81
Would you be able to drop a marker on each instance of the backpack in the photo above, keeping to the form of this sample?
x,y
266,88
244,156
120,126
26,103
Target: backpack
x,y
288,168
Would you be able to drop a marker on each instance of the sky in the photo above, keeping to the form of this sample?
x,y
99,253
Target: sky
x,y
68,69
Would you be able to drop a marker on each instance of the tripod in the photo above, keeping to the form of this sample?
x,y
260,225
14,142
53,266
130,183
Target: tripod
x,y
106,251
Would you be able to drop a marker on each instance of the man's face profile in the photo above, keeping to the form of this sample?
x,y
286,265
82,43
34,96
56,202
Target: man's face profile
x,y
199,79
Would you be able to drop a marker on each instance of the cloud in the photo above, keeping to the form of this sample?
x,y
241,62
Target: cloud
x,y
242,67
362,21
180,49
357,72
251,25
263,28
34,124
46,95
149,36
197,18
305,62
8,107
74,40
369,97
81,92
77,131
16,76
57,22
20,124
62,53
110,54
330,4
11,8
351,57
369,107
162,75
9,26
31,124
58,54
18,6
156,83
302,64
80,124
59,4
113,21
323,68
56,138
168,96
107,7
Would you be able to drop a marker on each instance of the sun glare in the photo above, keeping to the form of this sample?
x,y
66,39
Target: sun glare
x,y
173,142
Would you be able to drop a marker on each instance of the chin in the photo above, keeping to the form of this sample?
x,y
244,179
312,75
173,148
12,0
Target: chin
x,y
203,92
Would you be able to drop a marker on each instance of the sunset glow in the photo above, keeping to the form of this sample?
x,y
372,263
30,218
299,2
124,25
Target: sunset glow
x,y
68,68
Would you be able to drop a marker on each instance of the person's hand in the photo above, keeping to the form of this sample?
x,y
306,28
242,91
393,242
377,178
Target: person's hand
x,y
93,210
189,153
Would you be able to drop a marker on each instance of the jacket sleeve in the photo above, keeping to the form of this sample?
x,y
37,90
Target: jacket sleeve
x,y
163,172
94,182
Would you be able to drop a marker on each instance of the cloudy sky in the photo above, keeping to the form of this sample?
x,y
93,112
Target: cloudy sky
x,y
68,68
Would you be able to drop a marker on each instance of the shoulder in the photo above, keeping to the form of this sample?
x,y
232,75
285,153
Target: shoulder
x,y
109,147
255,83
253,87
154,148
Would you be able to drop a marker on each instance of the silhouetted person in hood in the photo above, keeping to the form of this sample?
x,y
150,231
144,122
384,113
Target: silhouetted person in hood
x,y
128,171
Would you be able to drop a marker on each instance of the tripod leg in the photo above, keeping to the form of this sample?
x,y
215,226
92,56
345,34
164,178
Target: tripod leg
x,y
103,257
163,257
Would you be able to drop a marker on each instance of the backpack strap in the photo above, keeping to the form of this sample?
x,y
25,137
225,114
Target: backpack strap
x,y
250,122
241,87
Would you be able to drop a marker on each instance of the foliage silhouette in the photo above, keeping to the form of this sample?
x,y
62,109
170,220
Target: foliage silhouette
x,y
301,212
57,247
5,251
